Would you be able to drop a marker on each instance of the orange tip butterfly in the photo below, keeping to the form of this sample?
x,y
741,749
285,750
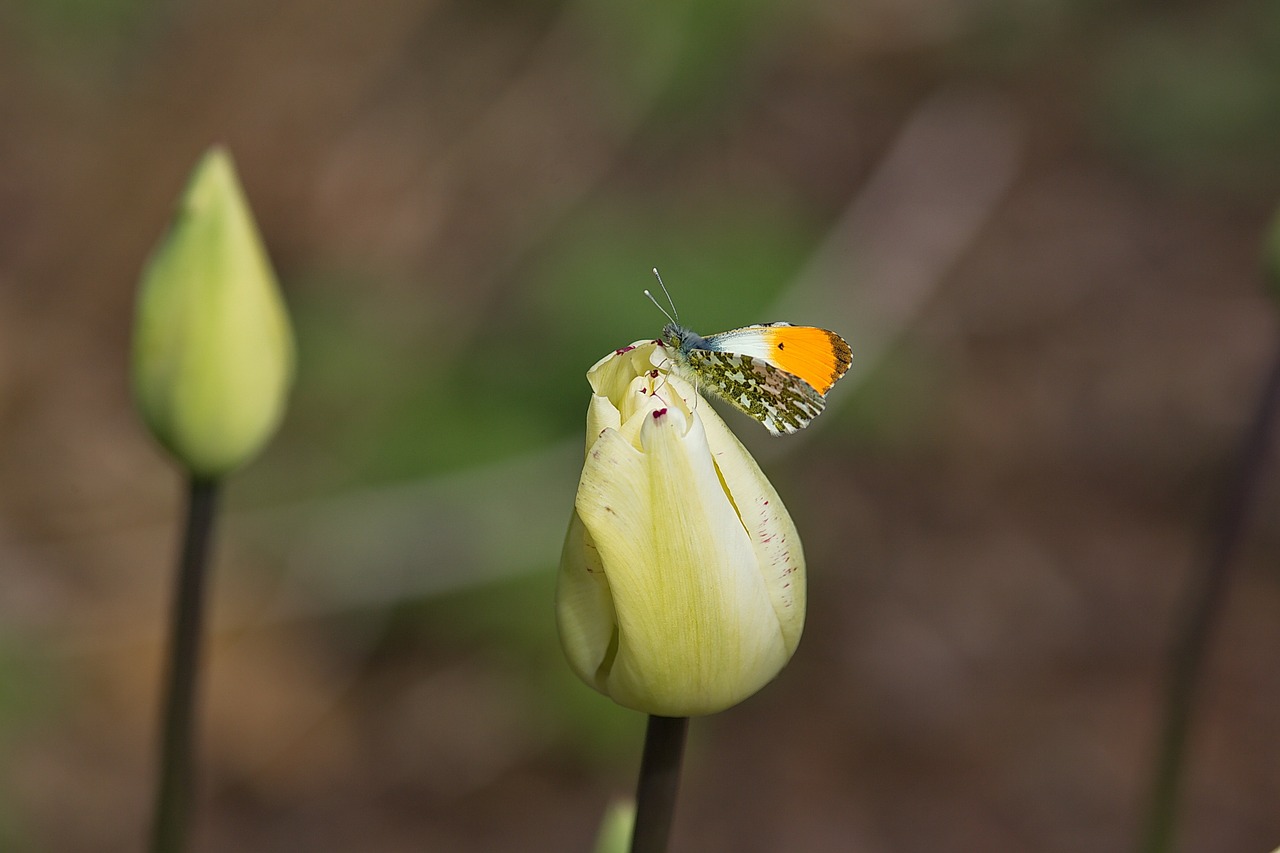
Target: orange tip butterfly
x,y
777,373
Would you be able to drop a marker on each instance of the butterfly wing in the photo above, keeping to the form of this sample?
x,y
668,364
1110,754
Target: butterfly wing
x,y
817,356
782,401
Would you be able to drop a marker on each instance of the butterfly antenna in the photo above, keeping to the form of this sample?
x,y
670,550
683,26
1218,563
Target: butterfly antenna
x,y
675,315
660,308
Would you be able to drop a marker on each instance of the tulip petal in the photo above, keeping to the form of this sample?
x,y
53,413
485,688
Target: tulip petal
x,y
774,537
601,415
584,605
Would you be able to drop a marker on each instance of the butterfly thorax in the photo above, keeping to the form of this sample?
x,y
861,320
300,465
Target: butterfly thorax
x,y
681,339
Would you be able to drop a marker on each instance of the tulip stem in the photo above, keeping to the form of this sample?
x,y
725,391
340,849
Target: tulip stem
x,y
659,780
173,788
1202,611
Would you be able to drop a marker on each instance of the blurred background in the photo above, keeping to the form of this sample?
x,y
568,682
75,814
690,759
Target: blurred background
x,y
1037,223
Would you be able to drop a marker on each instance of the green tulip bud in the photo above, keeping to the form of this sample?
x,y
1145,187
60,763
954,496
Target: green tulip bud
x,y
212,347
681,586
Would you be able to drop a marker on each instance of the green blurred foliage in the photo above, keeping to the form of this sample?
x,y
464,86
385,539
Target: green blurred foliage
x,y
1013,36
381,407
29,685
896,406
30,694
721,261
1189,95
1195,98
87,18
77,39
514,623
690,50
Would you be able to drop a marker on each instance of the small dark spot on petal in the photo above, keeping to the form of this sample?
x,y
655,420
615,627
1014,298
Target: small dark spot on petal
x,y
623,350
658,413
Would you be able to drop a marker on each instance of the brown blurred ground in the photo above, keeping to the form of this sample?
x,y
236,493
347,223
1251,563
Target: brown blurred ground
x,y
998,525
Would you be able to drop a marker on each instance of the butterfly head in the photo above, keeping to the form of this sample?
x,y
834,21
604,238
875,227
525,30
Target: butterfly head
x,y
673,334
679,338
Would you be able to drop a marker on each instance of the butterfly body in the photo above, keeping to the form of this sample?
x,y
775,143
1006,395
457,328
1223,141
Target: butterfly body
x,y
777,373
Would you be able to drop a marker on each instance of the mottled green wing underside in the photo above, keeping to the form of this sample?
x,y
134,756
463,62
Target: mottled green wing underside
x,y
784,403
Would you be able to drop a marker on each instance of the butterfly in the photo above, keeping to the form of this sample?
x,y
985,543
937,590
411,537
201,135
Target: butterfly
x,y
777,373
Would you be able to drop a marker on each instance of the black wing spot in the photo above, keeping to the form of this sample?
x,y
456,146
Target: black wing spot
x,y
781,346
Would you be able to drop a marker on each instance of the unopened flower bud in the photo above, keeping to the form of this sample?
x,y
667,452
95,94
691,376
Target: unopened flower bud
x,y
212,347
681,586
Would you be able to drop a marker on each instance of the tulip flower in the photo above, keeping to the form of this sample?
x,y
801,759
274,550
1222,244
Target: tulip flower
x,y
212,347
681,584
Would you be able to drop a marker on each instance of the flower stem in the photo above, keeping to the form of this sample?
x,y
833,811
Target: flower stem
x,y
1201,613
659,780
173,788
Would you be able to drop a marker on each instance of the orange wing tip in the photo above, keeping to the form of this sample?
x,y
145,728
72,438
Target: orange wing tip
x,y
817,356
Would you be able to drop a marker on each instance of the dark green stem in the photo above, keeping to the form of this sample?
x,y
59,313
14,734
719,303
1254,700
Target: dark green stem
x,y
659,781
1201,614
173,788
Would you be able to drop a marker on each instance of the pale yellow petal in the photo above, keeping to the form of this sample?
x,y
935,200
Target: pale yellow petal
x,y
611,376
774,537
601,415
584,606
